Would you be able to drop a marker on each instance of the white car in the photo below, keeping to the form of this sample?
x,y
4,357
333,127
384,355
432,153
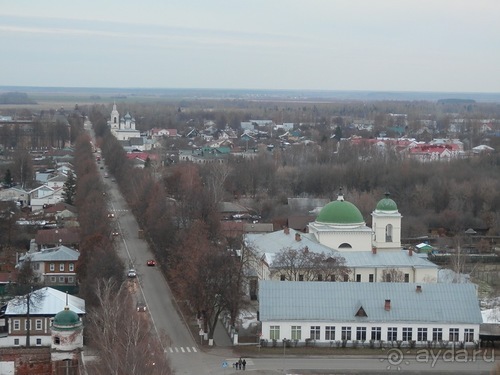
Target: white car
x,y
131,273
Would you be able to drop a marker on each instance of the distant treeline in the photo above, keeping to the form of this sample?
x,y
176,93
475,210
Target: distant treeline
x,y
15,98
456,101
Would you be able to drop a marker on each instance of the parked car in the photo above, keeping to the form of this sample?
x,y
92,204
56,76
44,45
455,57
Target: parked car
x,y
141,306
151,263
131,273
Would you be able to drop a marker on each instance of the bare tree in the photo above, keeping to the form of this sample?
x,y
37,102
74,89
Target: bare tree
x,y
217,175
305,265
122,336
23,168
28,293
392,275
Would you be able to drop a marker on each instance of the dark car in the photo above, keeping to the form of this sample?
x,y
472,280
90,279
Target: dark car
x,y
141,307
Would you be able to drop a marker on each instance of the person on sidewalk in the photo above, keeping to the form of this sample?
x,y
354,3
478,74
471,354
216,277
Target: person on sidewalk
x,y
244,363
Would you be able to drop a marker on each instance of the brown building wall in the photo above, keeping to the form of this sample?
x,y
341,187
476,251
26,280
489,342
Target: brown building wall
x,y
33,361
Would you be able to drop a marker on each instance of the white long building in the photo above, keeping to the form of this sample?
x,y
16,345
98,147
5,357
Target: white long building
x,y
360,312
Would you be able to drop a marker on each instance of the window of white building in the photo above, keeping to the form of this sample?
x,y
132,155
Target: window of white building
x,y
392,333
330,333
407,333
274,332
453,337
346,333
296,332
315,332
437,334
422,334
469,335
377,333
361,333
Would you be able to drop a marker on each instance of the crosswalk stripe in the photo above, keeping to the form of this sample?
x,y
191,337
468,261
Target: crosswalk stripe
x,y
181,349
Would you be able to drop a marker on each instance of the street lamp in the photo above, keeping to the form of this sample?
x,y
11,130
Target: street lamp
x,y
284,347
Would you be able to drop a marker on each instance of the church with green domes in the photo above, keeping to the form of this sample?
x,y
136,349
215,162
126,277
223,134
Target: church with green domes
x,y
340,226
372,254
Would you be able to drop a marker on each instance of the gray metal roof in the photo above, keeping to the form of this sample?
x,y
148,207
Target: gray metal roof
x,y
276,241
384,259
269,244
339,302
60,253
45,301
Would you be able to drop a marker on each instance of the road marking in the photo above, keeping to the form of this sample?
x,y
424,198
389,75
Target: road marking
x,y
181,349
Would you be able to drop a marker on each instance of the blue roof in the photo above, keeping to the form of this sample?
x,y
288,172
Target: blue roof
x,y
339,302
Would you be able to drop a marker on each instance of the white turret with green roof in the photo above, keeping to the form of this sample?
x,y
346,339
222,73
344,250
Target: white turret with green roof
x,y
386,223
67,335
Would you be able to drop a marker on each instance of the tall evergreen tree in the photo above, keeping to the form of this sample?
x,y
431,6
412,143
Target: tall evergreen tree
x,y
70,189
8,178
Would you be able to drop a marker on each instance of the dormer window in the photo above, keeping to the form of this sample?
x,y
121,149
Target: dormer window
x,y
361,312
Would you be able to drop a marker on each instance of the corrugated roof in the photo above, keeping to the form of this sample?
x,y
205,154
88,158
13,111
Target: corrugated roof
x,y
384,259
60,253
276,241
328,301
45,301
269,244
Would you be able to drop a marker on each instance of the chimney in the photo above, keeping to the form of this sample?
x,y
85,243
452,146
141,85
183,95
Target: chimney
x,y
286,230
410,251
419,288
387,306
297,237
374,250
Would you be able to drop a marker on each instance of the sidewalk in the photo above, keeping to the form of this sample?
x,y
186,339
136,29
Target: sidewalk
x,y
221,337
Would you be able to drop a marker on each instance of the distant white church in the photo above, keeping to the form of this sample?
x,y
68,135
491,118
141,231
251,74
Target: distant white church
x,y
122,128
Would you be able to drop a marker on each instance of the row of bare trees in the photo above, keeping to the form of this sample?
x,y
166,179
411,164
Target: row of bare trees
x,y
121,335
179,216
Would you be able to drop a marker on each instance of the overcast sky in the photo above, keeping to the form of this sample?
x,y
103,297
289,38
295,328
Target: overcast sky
x,y
379,45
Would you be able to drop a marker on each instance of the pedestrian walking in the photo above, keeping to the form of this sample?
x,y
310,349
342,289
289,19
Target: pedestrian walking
x,y
240,363
244,363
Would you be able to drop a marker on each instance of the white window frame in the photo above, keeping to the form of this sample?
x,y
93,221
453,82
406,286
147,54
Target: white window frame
x,y
361,333
315,333
346,333
38,324
330,333
376,333
422,334
297,333
61,267
407,333
71,267
52,267
38,342
16,342
16,325
274,332
437,334
469,334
